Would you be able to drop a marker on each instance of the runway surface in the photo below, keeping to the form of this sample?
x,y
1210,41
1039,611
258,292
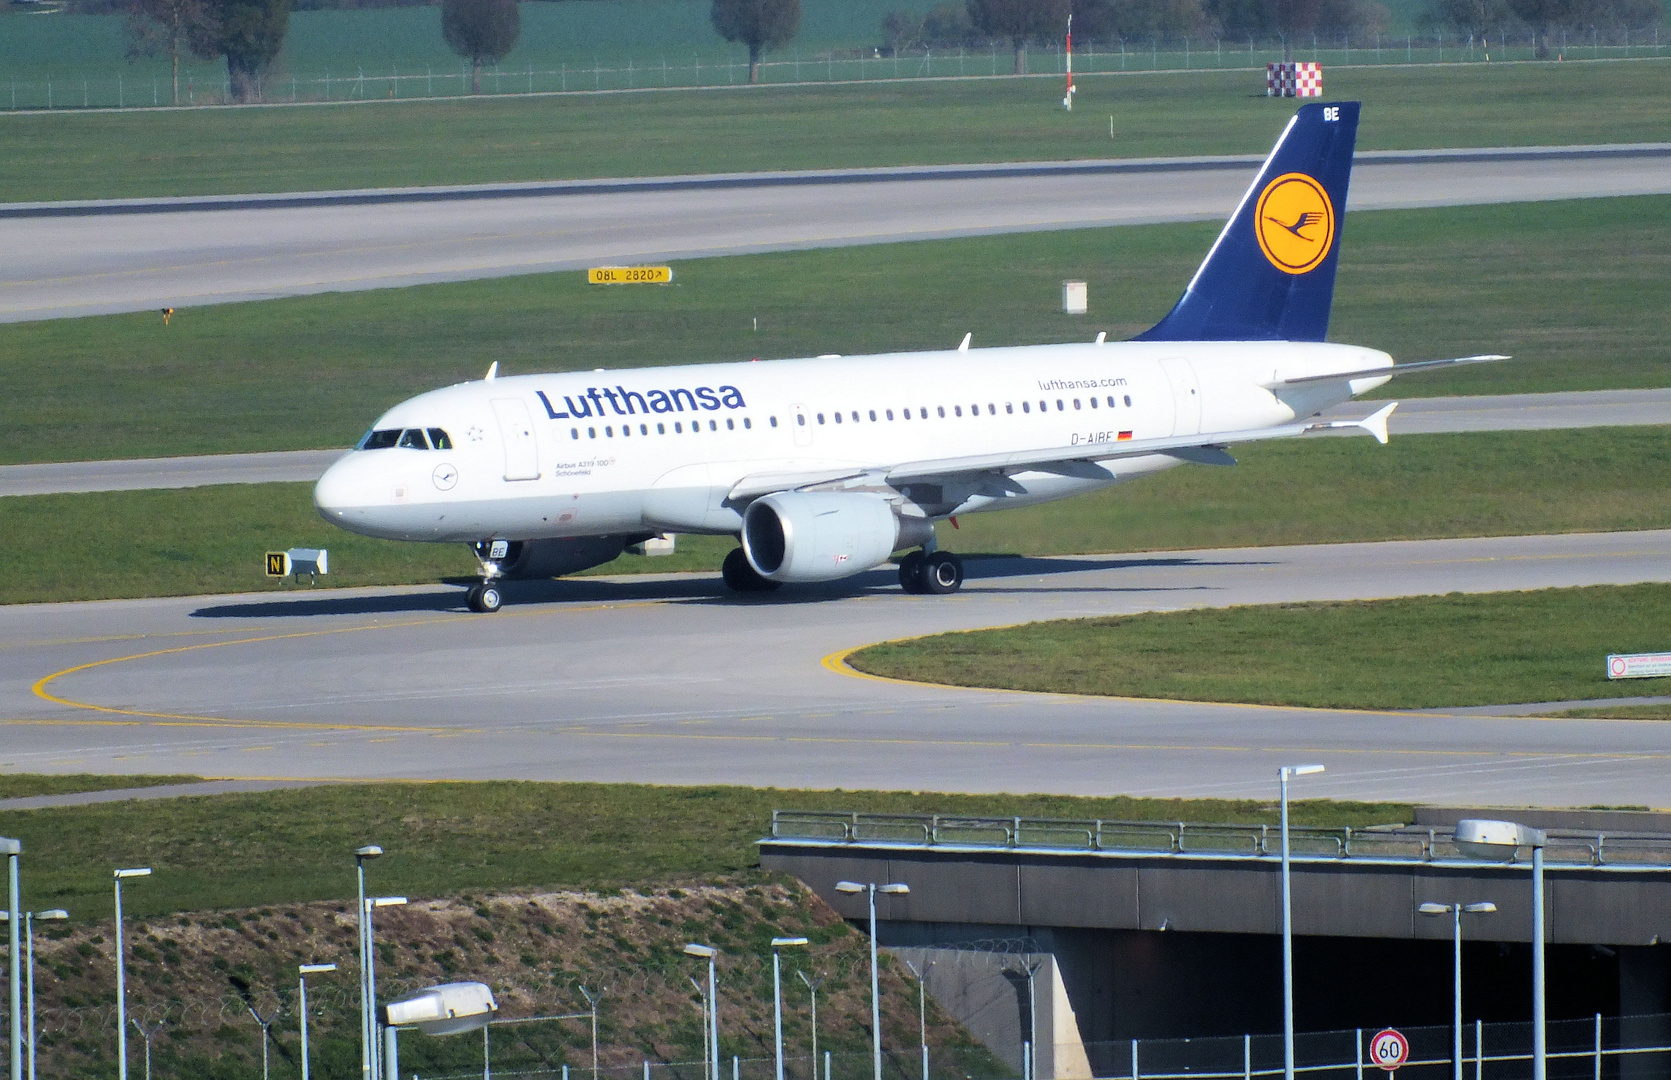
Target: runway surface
x,y
1418,416
91,258
669,680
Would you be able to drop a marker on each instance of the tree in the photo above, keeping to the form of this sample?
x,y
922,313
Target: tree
x,y
901,30
162,27
481,31
1020,21
762,25
249,33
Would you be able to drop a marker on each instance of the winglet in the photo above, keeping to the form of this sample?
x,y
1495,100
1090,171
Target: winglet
x,y
964,347
492,371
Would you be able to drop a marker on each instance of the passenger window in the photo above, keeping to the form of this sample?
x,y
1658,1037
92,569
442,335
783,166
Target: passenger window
x,y
413,439
873,415
838,418
713,425
439,440
1009,410
730,424
820,418
380,440
800,419
1060,407
991,409
1026,406
924,413
1128,401
661,429
1093,403
678,428
644,429
773,419
1076,403
609,432
855,416
574,433
905,413
1111,401
591,433
958,409
747,423
890,414
941,409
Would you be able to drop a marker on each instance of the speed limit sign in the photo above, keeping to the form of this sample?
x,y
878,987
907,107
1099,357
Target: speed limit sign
x,y
1389,1049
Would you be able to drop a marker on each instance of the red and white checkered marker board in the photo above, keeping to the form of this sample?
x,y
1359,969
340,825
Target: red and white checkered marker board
x,y
1301,79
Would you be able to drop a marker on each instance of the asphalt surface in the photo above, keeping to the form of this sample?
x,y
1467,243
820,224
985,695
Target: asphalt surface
x,y
69,259
670,680
1417,416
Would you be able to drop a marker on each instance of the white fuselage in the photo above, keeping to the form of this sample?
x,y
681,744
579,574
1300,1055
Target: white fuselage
x,y
649,450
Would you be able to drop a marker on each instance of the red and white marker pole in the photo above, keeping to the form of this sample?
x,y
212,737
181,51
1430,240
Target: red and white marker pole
x,y
1067,100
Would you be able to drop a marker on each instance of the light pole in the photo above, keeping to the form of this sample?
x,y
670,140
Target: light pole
x,y
708,953
1283,775
1484,907
121,976
897,889
812,991
371,974
13,850
922,1008
1501,841
54,914
363,855
303,971
777,996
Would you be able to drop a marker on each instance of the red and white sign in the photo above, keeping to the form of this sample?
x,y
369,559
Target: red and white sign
x,y
1389,1049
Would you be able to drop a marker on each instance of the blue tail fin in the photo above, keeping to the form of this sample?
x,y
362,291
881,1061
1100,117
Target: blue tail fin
x,y
1270,274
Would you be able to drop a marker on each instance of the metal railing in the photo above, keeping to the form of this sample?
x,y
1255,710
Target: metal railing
x,y
1383,843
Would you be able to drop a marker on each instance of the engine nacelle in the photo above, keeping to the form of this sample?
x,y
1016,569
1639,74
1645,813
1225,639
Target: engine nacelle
x,y
559,556
822,536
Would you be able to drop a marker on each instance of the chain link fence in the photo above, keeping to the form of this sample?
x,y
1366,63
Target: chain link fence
x,y
209,86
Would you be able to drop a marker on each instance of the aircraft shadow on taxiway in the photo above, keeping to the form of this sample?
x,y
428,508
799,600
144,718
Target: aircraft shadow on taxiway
x,y
707,588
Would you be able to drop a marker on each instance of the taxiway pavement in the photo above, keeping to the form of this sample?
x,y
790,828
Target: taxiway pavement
x,y
70,259
669,680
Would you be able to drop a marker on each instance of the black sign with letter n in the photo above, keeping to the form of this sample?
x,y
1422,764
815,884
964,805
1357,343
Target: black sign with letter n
x,y
275,564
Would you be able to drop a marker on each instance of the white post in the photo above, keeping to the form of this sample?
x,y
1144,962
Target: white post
x,y
1287,943
1134,1074
1360,1054
777,1013
1247,1055
875,994
391,1053
1456,992
1026,1059
360,921
713,1016
1598,1046
29,937
373,1056
1479,1049
1540,1046
121,993
302,1015
14,851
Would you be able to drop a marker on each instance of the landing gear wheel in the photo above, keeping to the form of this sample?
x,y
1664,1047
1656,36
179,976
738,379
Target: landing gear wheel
x,y
741,577
484,599
912,573
942,573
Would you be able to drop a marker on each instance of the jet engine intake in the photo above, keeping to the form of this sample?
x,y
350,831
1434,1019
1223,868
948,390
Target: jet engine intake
x,y
822,536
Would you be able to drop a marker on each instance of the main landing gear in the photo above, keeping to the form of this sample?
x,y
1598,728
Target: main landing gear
x,y
741,577
932,573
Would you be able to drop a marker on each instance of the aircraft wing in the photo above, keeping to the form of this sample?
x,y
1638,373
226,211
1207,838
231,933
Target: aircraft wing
x,y
1205,449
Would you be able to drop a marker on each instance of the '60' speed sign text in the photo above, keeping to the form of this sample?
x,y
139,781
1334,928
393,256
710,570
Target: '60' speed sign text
x,y
1389,1049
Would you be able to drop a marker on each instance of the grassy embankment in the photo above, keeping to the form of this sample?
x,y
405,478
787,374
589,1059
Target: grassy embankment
x,y
1488,649
106,155
284,847
202,540
1574,290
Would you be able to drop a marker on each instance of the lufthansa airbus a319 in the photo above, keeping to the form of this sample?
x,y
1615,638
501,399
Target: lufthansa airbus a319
x,y
826,467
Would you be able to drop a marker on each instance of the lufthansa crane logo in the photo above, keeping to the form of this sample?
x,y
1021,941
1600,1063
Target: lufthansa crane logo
x,y
1294,221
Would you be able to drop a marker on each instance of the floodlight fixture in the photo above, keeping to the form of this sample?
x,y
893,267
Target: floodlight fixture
x,y
849,887
707,952
785,942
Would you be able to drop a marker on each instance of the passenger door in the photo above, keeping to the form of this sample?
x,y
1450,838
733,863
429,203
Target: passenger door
x,y
516,431
1186,396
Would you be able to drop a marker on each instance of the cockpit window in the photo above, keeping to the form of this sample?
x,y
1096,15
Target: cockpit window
x,y
379,440
413,439
439,440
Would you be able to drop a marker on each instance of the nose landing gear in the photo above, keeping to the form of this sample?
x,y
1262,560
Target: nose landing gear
x,y
485,598
935,573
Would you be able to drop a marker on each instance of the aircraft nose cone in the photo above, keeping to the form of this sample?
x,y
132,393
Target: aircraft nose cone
x,y
339,491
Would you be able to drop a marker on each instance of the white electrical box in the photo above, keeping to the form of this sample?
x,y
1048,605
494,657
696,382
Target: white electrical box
x,y
1074,297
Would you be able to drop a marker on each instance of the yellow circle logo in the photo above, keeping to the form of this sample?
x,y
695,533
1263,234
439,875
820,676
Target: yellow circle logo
x,y
1294,221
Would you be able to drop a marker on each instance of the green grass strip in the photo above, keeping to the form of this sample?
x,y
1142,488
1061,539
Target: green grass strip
x,y
1623,712
217,151
23,785
1423,652
194,541
246,850
1574,290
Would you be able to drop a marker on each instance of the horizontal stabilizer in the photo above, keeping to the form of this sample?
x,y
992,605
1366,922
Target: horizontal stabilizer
x,y
1396,369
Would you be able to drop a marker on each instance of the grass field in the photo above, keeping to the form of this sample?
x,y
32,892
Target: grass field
x,y
1575,290
1489,649
22,785
104,155
1628,712
209,540
289,846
